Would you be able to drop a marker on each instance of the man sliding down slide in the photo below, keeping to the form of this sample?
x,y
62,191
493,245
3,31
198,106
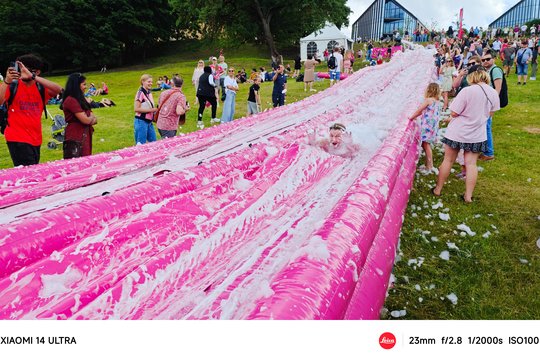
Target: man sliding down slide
x,y
339,142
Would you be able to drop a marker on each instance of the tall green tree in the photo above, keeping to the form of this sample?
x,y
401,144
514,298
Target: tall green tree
x,y
273,22
83,34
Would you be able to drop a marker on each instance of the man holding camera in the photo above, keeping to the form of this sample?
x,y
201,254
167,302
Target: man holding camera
x,y
23,131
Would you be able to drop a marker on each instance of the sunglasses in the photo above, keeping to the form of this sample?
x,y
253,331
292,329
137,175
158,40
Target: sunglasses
x,y
471,64
484,60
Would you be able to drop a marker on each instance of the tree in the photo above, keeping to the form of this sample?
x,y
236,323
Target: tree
x,y
273,22
83,34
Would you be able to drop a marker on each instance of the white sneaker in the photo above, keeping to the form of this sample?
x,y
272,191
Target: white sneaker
x,y
532,79
216,120
200,124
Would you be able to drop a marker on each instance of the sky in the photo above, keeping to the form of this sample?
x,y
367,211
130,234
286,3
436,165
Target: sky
x,y
476,13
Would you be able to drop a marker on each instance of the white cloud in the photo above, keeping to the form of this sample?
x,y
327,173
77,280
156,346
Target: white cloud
x,y
475,13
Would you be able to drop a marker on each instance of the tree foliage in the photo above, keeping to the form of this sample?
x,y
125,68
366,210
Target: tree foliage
x,y
273,22
87,34
83,34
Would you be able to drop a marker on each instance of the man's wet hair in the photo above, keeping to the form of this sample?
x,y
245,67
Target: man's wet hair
x,y
338,126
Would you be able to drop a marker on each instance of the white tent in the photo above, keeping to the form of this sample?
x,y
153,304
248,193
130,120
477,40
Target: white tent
x,y
326,38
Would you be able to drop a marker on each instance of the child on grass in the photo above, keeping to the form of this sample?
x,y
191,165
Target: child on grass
x,y
429,123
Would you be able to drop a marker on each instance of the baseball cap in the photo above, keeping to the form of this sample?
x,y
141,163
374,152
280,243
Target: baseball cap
x,y
214,58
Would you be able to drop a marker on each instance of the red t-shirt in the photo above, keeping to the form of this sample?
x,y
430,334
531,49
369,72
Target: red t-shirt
x,y
25,115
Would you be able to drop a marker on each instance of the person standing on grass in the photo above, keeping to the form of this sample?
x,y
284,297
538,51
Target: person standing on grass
x,y
79,118
231,87
534,61
446,71
217,71
497,46
280,87
335,65
254,98
507,54
309,73
467,129
172,104
23,132
144,112
297,66
522,60
199,70
429,124
223,65
206,92
496,80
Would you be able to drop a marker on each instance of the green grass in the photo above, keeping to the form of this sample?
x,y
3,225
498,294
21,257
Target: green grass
x,y
115,125
486,274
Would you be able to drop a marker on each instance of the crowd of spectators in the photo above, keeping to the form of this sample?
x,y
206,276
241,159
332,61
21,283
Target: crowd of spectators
x,y
216,82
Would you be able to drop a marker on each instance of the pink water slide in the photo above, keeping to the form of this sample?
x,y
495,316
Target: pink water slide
x,y
239,221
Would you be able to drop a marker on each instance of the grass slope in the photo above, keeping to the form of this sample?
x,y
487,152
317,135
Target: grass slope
x,y
493,277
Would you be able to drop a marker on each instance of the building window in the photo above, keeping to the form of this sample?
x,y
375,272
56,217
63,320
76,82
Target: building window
x,y
331,45
311,48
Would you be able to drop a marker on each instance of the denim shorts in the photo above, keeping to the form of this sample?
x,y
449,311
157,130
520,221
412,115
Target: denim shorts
x,y
334,75
522,69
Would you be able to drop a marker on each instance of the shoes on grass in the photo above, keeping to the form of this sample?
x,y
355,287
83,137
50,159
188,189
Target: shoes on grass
x,y
486,157
200,125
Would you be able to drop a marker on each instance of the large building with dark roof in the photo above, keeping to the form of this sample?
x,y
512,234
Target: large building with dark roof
x,y
382,18
519,14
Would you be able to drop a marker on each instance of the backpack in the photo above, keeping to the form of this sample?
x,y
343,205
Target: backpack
x,y
332,62
5,106
503,95
520,56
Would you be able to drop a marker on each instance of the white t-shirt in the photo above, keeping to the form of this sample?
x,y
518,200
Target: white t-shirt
x,y
339,60
497,45
224,66
230,82
524,28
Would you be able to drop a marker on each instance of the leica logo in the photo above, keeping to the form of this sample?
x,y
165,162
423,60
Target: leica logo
x,y
387,340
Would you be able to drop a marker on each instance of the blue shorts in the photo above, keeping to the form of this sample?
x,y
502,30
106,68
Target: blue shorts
x,y
334,75
144,131
522,69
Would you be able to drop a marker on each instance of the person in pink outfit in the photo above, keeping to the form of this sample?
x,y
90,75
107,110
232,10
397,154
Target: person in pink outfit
x,y
466,131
